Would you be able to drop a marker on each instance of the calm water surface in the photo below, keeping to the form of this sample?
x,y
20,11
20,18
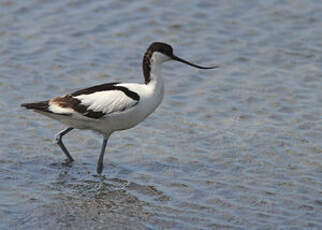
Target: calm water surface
x,y
239,147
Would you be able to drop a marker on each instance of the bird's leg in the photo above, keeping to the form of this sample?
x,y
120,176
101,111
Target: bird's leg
x,y
99,168
60,143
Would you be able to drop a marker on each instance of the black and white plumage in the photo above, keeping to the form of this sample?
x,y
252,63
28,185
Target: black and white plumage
x,y
113,106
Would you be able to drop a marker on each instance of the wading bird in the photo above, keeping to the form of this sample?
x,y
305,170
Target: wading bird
x,y
113,106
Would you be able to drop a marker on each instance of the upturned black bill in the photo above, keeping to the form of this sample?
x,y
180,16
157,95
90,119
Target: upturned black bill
x,y
191,64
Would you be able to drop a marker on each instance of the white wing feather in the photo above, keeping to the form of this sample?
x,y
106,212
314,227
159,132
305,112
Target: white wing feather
x,y
108,102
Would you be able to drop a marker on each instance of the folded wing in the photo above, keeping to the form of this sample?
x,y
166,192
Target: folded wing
x,y
94,102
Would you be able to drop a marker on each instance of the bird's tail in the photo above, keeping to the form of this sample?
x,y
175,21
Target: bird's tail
x,y
41,106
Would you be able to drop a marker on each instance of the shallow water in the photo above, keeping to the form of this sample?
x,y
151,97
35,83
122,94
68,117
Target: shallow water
x,y
239,147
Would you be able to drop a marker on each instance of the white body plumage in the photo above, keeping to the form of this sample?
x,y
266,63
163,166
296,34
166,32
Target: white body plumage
x,y
112,102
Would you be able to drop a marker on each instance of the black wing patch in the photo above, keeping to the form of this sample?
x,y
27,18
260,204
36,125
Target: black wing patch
x,y
96,88
106,87
70,102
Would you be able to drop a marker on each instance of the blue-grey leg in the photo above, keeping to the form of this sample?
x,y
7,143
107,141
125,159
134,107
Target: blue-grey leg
x,y
60,143
99,168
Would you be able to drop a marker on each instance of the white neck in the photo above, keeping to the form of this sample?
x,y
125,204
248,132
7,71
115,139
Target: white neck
x,y
155,73
153,80
155,65
156,83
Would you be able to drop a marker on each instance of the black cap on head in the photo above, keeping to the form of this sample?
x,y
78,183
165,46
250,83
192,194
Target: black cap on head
x,y
162,48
